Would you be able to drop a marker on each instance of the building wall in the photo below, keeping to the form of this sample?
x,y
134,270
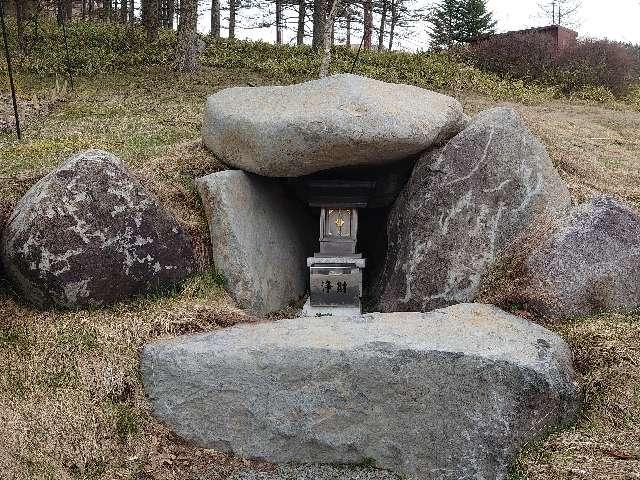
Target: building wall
x,y
566,38
559,36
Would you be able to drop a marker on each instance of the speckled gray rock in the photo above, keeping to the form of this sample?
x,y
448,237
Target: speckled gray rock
x,y
590,262
463,205
450,394
88,234
342,120
260,236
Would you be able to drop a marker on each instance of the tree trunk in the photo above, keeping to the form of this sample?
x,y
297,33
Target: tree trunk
x,y
132,12
319,23
348,28
36,22
278,22
20,18
171,13
151,19
333,32
232,18
92,5
215,18
383,21
328,28
123,11
302,7
187,55
84,9
394,19
368,23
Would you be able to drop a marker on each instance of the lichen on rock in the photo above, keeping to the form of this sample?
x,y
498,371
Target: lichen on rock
x,y
88,234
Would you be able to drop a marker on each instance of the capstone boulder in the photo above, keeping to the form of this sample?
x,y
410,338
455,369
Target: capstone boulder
x,y
337,121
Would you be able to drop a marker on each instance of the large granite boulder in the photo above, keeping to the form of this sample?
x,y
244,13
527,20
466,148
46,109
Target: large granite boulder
x,y
463,205
89,234
342,120
450,394
590,262
261,237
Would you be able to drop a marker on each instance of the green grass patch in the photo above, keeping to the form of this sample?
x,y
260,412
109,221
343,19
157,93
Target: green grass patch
x,y
126,422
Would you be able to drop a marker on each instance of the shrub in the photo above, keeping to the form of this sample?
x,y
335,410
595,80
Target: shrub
x,y
433,70
94,47
596,63
100,47
586,65
526,56
595,94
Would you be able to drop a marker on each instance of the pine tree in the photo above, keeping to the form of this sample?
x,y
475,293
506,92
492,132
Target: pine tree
x,y
476,20
459,21
445,20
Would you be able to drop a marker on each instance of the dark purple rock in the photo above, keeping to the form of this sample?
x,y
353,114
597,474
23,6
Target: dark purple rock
x,y
589,263
89,234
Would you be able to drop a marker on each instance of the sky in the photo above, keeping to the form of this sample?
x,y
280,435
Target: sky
x,y
612,19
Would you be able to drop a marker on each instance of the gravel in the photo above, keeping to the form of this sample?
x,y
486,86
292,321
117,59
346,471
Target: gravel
x,y
317,472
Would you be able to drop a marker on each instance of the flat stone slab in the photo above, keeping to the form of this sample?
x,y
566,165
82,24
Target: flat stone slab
x,y
260,238
337,121
450,394
317,472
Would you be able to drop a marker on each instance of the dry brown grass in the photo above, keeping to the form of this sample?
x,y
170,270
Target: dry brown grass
x,y
71,401
170,177
506,284
605,442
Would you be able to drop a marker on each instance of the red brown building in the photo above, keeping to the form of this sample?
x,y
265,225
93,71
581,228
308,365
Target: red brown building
x,y
559,36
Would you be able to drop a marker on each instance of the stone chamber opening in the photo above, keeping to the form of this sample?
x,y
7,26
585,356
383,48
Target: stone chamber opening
x,y
371,191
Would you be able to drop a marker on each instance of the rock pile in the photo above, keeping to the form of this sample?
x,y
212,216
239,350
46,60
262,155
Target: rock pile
x,y
476,189
449,394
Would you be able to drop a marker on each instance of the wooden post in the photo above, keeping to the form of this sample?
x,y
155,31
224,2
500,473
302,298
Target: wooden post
x,y
8,57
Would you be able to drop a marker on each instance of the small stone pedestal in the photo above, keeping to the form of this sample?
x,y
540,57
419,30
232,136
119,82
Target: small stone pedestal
x,y
336,271
336,285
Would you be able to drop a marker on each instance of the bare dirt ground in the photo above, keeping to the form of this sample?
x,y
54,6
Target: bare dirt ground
x,y
71,401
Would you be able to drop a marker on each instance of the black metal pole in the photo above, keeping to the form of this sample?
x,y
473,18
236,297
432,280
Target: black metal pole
x,y
355,60
66,44
8,57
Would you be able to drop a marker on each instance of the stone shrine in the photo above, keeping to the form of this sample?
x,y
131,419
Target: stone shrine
x,y
336,271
